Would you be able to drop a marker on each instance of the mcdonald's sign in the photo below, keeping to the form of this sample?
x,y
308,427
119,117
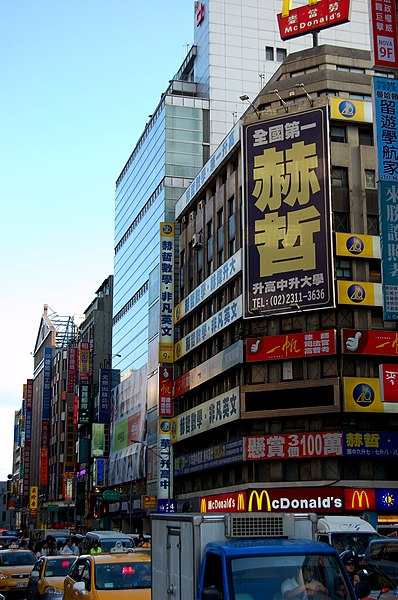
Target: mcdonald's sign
x,y
318,14
259,497
235,502
359,499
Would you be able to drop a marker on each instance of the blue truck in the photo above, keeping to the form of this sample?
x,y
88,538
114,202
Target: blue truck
x,y
241,556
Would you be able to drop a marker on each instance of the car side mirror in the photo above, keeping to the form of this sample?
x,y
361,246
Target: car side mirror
x,y
79,586
211,594
35,574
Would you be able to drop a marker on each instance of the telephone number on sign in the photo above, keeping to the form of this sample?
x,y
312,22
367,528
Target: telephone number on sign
x,y
289,299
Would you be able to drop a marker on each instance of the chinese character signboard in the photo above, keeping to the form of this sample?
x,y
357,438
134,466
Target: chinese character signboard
x,y
73,357
166,389
314,16
33,498
370,443
389,383
386,112
225,453
291,345
166,333
365,341
384,33
388,218
295,445
215,412
288,247
84,403
104,395
219,278
98,439
84,361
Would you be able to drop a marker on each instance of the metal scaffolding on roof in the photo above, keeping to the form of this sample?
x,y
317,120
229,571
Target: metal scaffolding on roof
x,y
65,327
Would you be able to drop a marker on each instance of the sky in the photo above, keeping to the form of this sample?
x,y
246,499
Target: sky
x,y
78,79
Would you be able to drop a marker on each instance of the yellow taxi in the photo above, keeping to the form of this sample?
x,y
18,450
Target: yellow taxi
x,y
115,576
15,568
46,581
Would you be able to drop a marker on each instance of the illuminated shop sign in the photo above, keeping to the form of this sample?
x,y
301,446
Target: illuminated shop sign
x,y
220,277
325,500
234,502
312,17
293,445
359,499
388,197
363,395
211,414
365,341
357,246
291,345
287,239
359,293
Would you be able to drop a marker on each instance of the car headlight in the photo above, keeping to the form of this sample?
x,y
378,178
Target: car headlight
x,y
50,589
3,576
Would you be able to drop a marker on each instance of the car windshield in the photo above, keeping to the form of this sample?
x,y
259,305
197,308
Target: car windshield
x,y
349,541
106,545
59,568
123,576
273,576
17,558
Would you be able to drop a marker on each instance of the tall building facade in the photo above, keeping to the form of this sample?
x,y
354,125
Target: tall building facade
x,y
278,397
236,49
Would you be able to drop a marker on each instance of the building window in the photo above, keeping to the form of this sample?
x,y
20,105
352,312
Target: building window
x,y
370,179
365,136
220,237
210,247
231,226
374,271
281,54
269,53
373,227
343,269
182,273
341,222
338,134
339,177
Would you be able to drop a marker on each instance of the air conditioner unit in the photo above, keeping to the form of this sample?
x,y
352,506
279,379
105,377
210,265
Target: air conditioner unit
x,y
197,240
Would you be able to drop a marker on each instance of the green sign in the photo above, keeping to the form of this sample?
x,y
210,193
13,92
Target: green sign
x,y
52,508
111,495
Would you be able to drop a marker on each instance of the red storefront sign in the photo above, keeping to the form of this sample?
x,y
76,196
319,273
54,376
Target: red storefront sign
x,y
305,19
389,383
362,341
234,502
295,445
319,499
384,33
359,499
291,345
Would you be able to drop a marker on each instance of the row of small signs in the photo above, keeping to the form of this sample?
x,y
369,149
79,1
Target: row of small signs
x,y
304,499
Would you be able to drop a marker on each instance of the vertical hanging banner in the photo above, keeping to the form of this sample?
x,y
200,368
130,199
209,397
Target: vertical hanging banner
x,y
73,357
84,361
46,413
166,333
288,244
383,14
166,392
105,377
386,113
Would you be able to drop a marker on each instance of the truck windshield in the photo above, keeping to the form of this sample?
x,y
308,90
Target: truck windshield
x,y
278,577
353,541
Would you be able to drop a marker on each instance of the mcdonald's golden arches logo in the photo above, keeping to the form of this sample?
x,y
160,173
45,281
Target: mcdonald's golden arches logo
x,y
359,499
287,6
203,507
259,501
362,497
241,502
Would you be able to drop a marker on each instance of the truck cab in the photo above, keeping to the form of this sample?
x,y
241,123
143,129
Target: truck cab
x,y
241,556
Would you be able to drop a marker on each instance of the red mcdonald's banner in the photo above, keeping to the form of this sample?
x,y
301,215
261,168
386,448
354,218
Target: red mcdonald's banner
x,y
359,499
235,502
